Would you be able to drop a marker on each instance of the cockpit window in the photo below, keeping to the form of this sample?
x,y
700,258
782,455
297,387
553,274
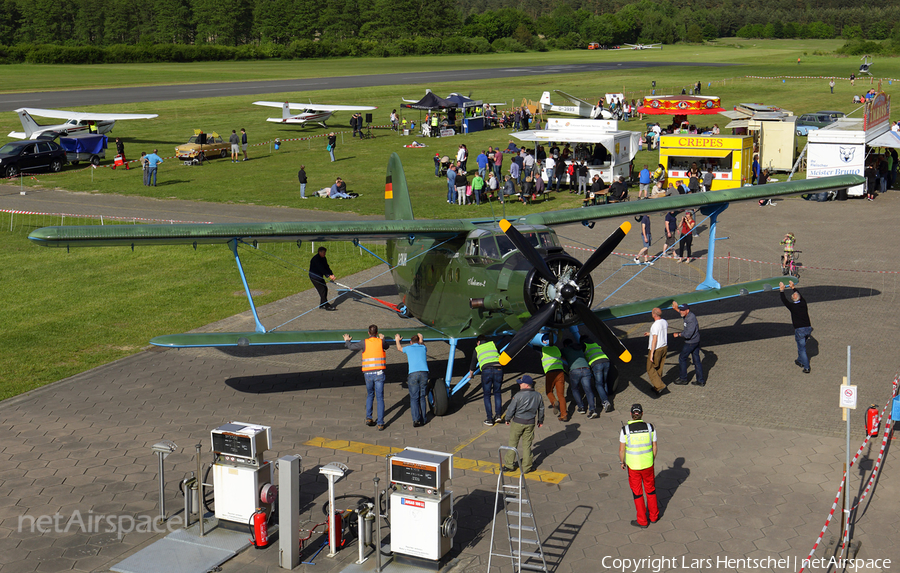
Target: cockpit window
x,y
488,248
506,246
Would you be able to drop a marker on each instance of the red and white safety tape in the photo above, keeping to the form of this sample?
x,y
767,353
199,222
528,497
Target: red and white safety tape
x,y
888,429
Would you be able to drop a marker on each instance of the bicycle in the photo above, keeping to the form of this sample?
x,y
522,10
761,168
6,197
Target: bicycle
x,y
793,266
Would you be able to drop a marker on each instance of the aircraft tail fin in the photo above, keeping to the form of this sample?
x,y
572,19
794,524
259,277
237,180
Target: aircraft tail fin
x,y
29,126
545,101
397,205
286,110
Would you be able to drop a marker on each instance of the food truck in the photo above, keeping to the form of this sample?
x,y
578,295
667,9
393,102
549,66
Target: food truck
x,y
730,157
607,153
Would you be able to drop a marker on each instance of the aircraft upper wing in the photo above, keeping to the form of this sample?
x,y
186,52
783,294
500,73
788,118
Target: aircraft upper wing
x,y
691,201
316,107
188,234
78,115
573,99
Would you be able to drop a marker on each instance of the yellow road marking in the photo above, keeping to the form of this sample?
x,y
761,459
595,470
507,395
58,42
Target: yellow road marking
x,y
460,447
458,463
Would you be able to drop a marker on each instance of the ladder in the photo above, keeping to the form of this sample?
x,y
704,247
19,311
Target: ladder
x,y
521,528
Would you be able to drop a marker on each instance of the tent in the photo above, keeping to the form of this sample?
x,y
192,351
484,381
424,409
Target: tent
x,y
430,102
463,101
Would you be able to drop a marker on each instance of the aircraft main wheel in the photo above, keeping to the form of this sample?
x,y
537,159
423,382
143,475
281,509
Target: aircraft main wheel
x,y
441,395
95,161
55,165
12,171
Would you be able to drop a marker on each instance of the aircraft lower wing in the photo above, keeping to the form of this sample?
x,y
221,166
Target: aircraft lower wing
x,y
78,115
315,107
189,234
230,339
694,297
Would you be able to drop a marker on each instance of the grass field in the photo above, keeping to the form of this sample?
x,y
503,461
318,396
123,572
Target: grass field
x,y
71,312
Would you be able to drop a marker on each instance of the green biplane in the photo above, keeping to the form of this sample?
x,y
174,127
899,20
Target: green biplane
x,y
459,277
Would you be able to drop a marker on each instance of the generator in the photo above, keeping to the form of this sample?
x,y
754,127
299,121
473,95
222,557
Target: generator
x,y
423,522
242,479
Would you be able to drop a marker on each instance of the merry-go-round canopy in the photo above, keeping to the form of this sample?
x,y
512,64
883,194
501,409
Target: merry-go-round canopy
x,y
681,105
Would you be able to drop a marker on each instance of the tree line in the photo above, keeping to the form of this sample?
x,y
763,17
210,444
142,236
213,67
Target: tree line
x,y
97,31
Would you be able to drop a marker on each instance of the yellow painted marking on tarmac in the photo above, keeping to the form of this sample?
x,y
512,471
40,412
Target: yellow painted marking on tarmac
x,y
458,463
460,447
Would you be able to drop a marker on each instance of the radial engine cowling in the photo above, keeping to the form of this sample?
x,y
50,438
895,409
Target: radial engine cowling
x,y
539,292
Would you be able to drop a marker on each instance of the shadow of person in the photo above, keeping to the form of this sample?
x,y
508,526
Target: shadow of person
x,y
668,480
541,449
708,360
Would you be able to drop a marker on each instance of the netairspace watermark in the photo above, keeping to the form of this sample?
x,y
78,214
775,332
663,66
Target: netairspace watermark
x,y
94,523
658,564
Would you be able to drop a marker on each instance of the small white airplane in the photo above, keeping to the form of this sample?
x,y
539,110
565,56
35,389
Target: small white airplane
x,y
310,112
579,107
639,46
77,122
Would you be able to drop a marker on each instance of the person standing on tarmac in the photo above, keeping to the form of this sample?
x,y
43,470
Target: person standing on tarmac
x,y
318,272
555,376
800,321
487,358
374,363
691,349
599,363
417,381
637,450
525,411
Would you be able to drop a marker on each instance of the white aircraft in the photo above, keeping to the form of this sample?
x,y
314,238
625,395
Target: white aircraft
x,y
579,107
77,122
864,67
310,112
639,46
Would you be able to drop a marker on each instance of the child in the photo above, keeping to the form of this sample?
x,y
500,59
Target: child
x,y
788,243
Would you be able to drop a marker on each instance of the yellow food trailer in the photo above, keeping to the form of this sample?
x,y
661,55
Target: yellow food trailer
x,y
730,157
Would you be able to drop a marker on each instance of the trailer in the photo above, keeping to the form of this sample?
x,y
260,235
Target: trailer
x,y
88,147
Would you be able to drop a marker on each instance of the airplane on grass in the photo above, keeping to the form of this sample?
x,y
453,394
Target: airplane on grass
x,y
310,112
459,278
579,107
77,122
639,46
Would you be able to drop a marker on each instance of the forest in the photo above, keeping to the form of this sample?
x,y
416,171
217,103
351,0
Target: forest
x,y
99,31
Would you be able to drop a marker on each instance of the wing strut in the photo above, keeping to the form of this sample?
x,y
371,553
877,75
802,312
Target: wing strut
x,y
232,244
710,282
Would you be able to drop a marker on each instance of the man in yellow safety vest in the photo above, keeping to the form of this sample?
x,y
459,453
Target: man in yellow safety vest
x,y
637,450
487,359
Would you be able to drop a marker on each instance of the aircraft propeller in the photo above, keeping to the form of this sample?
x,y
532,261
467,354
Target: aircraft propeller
x,y
565,292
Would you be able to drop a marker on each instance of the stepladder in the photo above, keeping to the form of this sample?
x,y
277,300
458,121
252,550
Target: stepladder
x,y
514,512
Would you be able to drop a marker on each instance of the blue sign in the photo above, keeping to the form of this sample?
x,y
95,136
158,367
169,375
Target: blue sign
x,y
895,410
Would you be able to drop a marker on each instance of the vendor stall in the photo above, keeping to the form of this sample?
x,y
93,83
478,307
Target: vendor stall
x,y
436,125
606,153
472,112
729,156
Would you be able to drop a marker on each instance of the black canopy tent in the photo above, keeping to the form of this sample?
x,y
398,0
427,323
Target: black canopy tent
x,y
430,102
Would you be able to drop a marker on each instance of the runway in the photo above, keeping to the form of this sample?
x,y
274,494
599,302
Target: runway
x,y
80,98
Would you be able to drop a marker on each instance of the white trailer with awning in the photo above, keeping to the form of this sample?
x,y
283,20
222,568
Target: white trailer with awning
x,y
841,148
613,160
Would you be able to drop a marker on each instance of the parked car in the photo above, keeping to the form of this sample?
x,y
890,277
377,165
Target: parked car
x,y
201,146
810,121
30,156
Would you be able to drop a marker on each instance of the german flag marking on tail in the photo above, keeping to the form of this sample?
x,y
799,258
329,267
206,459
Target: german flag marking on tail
x,y
388,188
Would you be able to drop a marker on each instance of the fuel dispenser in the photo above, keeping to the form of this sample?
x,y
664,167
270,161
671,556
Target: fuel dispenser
x,y
423,522
242,479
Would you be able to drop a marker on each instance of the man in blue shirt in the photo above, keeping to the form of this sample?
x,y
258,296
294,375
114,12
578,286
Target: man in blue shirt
x,y
644,180
691,349
153,160
418,376
482,161
451,185
339,190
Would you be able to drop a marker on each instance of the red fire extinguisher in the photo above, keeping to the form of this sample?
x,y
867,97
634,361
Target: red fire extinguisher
x,y
872,420
337,527
259,531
